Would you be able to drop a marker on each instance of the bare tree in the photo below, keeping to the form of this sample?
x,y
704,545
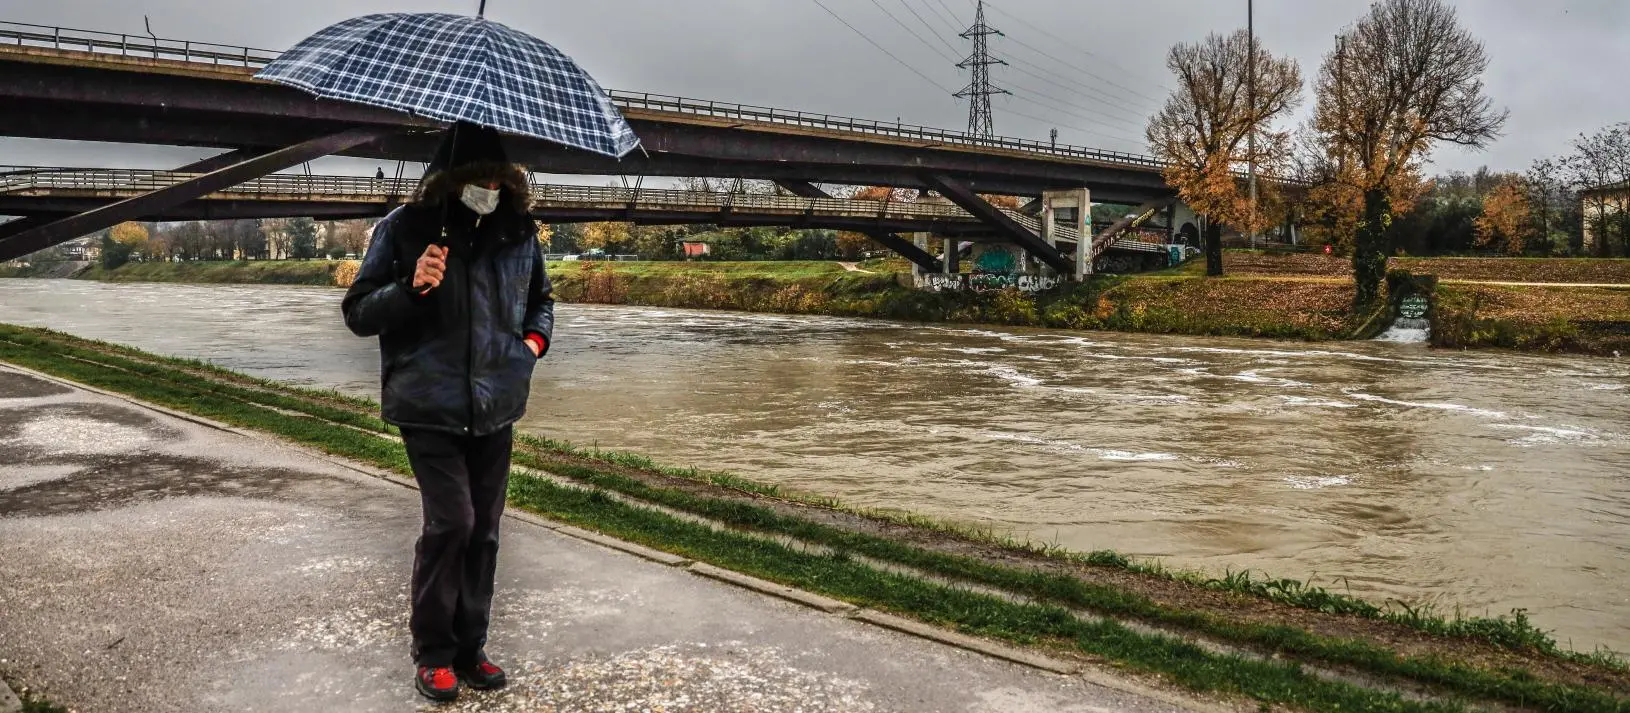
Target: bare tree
x,y
1591,169
1551,198
1618,156
1404,78
1203,128
248,238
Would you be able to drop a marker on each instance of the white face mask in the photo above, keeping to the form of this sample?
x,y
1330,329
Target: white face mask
x,y
481,200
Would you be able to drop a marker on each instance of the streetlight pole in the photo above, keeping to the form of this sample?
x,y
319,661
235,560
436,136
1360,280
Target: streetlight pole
x,y
1250,94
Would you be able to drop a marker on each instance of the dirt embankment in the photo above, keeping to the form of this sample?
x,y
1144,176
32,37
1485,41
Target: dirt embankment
x,y
1543,270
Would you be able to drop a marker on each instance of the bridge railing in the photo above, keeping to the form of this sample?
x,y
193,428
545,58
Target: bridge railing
x,y
25,178
26,35
23,34
747,112
16,178
665,197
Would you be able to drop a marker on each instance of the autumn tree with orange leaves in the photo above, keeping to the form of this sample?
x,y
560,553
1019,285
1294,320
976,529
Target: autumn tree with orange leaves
x,y
1505,220
1202,131
1405,78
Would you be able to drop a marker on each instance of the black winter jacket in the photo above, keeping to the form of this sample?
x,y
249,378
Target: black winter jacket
x,y
453,360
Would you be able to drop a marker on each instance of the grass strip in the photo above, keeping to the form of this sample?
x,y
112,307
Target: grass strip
x,y
832,575
1515,687
971,612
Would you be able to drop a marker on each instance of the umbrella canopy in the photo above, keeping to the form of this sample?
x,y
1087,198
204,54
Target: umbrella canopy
x,y
457,68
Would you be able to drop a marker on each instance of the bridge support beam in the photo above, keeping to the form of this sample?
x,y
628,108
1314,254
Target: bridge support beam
x,y
906,249
20,225
1006,227
65,229
220,161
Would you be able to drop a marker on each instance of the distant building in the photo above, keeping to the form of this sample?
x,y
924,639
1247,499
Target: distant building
x,y
86,248
1609,201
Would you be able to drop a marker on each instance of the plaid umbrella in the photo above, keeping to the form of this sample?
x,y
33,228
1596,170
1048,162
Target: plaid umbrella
x,y
456,68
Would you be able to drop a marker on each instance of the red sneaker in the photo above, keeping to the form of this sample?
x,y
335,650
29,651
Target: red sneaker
x,y
438,683
483,676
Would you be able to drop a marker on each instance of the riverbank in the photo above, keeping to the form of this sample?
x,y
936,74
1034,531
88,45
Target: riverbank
x,y
1305,297
1589,320
1150,611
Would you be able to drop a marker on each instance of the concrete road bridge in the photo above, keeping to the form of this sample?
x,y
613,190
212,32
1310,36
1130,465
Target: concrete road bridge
x,y
59,83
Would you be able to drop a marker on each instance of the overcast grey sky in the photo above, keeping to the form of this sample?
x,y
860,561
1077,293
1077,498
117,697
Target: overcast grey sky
x,y
1093,69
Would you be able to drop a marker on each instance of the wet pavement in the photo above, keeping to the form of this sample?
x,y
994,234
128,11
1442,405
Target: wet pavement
x,y
150,563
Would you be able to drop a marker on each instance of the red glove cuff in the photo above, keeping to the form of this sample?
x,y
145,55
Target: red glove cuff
x,y
538,341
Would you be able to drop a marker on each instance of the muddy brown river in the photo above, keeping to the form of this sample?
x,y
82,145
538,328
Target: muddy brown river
x,y
1485,480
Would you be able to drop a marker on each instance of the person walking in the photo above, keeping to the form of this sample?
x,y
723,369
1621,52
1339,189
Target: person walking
x,y
454,286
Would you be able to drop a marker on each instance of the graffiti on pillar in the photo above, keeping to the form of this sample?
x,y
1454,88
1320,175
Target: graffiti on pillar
x,y
985,282
998,262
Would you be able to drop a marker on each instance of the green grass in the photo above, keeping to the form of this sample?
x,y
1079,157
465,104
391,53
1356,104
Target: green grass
x,y
32,703
789,269
40,705
234,404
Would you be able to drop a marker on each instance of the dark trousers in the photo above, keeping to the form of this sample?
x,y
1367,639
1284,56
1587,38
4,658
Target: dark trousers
x,y
462,480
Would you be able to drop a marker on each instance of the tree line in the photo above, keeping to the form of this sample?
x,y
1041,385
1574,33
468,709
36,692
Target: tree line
x,y
1402,80
247,239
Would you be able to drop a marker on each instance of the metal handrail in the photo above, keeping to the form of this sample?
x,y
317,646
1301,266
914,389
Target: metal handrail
x,y
27,35
141,180
23,34
748,112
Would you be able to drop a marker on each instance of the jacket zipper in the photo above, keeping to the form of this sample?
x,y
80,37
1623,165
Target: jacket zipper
x,y
469,340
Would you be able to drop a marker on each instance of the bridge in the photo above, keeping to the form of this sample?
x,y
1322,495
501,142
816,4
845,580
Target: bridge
x,y
58,83
35,192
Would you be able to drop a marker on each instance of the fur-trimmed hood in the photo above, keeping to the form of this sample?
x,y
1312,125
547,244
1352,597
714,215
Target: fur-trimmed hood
x,y
448,184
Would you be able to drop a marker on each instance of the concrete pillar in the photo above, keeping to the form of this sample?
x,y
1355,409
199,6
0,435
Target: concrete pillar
x,y
1081,200
948,257
1047,217
1083,229
921,241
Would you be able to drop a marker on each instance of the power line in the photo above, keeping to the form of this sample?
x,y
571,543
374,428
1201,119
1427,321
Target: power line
x,y
1081,69
1084,130
1110,99
951,23
1067,113
880,48
907,28
1129,119
1073,44
931,30
949,14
